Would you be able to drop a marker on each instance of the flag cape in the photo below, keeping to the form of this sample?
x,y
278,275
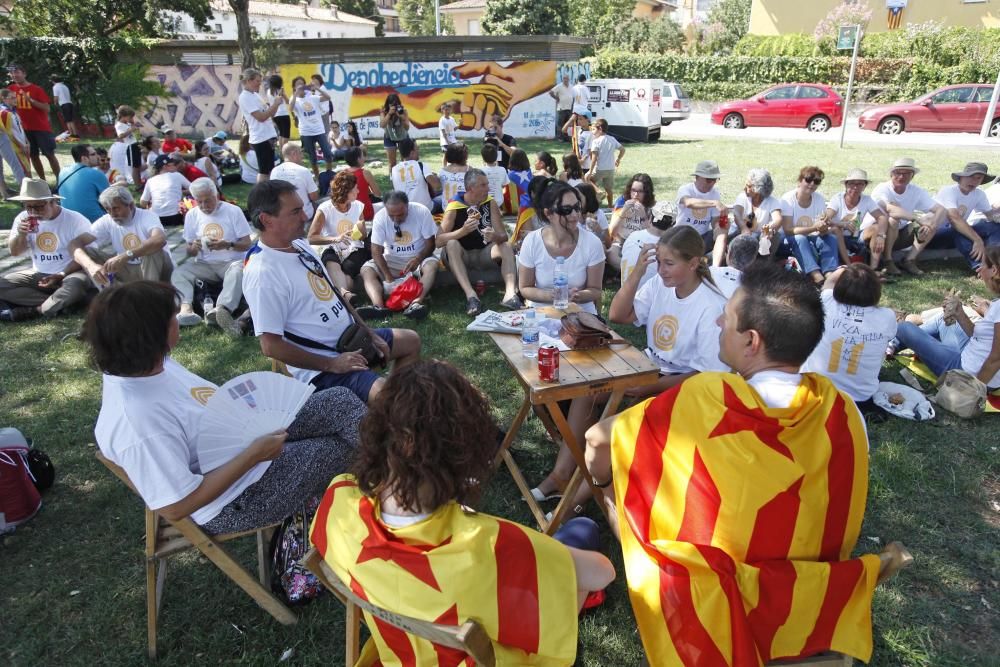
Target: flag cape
x,y
920,369
524,216
457,204
7,126
736,520
519,584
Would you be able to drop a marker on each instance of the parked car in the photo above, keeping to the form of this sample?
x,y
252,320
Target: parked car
x,y
960,108
674,104
814,106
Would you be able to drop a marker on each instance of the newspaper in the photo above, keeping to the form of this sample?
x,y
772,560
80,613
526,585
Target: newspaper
x,y
495,322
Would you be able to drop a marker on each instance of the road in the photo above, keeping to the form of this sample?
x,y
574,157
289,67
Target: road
x,y
699,125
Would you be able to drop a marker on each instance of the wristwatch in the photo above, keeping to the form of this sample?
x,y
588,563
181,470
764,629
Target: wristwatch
x,y
231,245
129,254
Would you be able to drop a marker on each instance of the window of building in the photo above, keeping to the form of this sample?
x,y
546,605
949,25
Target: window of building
x,y
218,27
304,34
474,27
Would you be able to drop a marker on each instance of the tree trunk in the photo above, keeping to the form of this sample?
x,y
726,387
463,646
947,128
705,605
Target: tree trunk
x,y
245,36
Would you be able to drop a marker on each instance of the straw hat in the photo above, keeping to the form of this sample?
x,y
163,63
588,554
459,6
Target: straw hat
x,y
707,169
905,163
974,168
34,189
856,175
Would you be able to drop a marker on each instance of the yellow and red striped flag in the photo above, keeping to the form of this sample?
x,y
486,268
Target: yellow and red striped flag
x,y
895,18
736,520
519,584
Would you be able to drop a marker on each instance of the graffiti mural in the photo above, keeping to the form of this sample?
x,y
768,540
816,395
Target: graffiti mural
x,y
205,96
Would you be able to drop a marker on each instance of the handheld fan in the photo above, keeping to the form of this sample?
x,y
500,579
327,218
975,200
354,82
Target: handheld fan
x,y
245,408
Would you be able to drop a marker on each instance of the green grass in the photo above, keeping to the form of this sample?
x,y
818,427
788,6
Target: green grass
x,y
73,585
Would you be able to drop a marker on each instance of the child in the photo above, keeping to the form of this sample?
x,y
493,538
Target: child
x,y
545,165
603,161
355,139
520,175
446,130
572,171
578,128
126,130
496,174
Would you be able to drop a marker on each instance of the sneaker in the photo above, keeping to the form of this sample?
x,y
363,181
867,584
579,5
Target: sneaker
x,y
473,306
891,269
910,266
416,311
188,319
210,317
513,303
19,314
373,312
225,320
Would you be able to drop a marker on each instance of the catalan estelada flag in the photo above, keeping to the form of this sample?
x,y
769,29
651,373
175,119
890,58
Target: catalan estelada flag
x,y
737,521
895,18
450,567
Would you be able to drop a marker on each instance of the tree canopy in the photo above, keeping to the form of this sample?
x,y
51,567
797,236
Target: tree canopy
x,y
416,17
517,17
99,18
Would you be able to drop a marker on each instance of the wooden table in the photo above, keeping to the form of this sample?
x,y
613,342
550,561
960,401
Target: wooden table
x,y
581,373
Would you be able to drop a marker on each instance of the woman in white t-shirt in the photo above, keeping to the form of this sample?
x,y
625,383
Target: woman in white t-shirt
x,y
980,355
248,162
150,424
205,163
856,332
632,212
757,211
680,310
845,212
339,224
808,231
259,116
593,218
452,175
282,118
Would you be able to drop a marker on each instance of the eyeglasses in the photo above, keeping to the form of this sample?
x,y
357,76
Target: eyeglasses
x,y
570,208
36,207
813,180
638,191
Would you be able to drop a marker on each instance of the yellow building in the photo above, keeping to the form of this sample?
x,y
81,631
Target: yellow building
x,y
467,15
782,17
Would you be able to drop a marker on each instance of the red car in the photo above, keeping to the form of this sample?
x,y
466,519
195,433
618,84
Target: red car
x,y
814,106
960,108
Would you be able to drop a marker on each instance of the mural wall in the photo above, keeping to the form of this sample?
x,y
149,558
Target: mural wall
x,y
205,96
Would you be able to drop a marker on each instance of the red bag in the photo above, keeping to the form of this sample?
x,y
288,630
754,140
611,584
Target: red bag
x,y
404,294
19,499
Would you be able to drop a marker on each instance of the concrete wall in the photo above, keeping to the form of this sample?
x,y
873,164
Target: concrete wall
x,y
781,17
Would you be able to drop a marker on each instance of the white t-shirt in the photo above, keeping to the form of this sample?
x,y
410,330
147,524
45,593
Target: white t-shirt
x,y
248,168
804,216
589,252
630,254
764,213
914,198
699,218
61,92
584,140
727,279
308,109
151,160
409,176
225,223
260,131
853,346
414,232
284,296
164,192
776,388
993,197
602,221
121,128
282,108
497,177
843,213
49,246
149,426
981,342
682,335
605,147
452,184
581,94
301,178
951,197
129,236
118,157
629,222
336,223
446,130
564,97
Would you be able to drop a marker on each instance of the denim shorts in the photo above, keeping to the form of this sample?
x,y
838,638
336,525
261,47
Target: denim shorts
x,y
359,382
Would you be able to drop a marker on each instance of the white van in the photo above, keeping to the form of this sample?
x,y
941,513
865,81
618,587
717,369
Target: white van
x,y
631,107
675,103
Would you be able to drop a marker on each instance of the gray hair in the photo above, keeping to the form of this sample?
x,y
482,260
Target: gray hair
x,y
761,182
203,186
472,174
396,197
251,73
742,251
113,194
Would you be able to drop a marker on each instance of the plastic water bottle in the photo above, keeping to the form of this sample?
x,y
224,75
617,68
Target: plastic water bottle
x,y
560,285
529,335
207,305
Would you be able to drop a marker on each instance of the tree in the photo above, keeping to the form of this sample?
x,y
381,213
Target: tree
x,y
517,17
416,17
366,9
726,24
599,18
243,32
100,18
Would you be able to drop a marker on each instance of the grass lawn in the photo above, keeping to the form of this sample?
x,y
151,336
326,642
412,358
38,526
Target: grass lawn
x,y
73,586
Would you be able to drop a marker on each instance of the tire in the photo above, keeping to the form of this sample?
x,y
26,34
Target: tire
x,y
733,121
890,125
818,124
994,130
664,123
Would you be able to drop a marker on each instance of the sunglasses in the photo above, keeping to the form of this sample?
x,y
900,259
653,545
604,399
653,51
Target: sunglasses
x,y
813,180
312,264
399,232
566,210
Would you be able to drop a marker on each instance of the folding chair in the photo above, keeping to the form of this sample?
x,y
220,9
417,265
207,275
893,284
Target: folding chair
x,y
165,538
469,637
279,367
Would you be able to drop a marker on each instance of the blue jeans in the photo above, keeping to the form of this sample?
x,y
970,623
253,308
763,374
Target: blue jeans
x,y
309,148
806,249
938,356
988,231
580,533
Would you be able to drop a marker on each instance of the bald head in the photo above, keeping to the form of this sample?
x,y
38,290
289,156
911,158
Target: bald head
x,y
292,153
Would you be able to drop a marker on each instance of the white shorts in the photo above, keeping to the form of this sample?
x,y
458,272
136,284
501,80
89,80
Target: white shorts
x,y
397,266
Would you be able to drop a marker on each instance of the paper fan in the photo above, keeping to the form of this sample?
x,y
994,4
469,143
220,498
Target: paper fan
x,y
245,408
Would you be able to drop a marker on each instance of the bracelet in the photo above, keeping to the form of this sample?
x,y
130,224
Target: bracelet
x,y
603,485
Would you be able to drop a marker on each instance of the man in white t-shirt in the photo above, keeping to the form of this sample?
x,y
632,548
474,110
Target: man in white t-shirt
x,y
297,314
258,115
699,203
217,235
562,93
163,192
55,280
136,237
294,172
602,159
495,173
446,129
962,200
581,96
60,91
403,242
412,176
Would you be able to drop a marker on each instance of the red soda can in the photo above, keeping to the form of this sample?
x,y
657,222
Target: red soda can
x,y
32,224
548,363
724,220
480,287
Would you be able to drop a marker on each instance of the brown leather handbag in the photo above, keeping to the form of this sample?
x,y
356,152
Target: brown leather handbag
x,y
584,331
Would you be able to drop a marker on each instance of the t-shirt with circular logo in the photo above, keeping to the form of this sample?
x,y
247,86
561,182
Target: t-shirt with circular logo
x,y
310,114
128,236
49,246
682,335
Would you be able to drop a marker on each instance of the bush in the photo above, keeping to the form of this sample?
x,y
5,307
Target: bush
x,y
795,44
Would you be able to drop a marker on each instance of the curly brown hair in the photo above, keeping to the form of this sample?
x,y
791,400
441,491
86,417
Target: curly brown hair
x,y
341,186
428,438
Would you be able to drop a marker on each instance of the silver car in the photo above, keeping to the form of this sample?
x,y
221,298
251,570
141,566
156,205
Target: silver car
x,y
674,103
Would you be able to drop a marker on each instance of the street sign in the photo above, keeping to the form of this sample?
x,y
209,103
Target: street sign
x,y
846,37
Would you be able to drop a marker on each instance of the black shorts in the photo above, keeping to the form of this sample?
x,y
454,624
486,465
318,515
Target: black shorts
x,y
172,220
265,156
134,155
41,142
284,125
67,112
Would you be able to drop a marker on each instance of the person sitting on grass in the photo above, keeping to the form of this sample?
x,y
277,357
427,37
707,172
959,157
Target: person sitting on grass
x,y
151,408
339,225
164,191
368,189
632,212
757,211
679,310
809,232
572,171
741,252
452,175
856,333
545,165
735,494
426,455
699,204
845,213
593,218
961,201
412,176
